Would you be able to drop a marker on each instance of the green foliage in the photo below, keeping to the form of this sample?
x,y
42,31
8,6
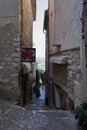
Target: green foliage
x,y
84,106
36,89
37,83
81,114
38,76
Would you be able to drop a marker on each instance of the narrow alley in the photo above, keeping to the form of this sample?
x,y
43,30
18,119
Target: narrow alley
x,y
43,65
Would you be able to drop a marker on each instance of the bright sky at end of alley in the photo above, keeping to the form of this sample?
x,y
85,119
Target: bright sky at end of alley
x,y
38,35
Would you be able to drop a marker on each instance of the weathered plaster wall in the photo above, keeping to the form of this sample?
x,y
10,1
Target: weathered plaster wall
x,y
68,26
51,23
53,49
9,45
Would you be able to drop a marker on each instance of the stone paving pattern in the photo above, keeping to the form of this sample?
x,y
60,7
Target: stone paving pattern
x,y
35,116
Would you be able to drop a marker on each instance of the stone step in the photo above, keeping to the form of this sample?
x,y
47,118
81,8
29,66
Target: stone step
x,y
6,106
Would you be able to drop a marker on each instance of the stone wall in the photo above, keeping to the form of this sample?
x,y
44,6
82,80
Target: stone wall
x,y
68,76
10,48
14,17
26,23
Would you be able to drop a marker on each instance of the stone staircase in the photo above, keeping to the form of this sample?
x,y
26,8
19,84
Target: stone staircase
x,y
38,104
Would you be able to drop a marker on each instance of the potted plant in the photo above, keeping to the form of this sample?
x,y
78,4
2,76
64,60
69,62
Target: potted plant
x,y
81,115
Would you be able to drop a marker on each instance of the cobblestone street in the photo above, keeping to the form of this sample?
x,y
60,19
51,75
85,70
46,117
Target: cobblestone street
x,y
36,116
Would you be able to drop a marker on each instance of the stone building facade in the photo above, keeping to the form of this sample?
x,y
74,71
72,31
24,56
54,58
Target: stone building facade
x,y
27,16
67,57
11,40
9,44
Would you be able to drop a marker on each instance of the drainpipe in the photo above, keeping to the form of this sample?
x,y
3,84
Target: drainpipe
x,y
83,55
